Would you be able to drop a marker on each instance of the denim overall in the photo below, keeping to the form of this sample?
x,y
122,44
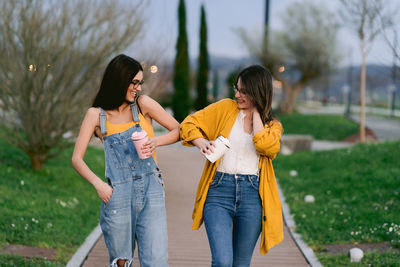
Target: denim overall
x,y
136,210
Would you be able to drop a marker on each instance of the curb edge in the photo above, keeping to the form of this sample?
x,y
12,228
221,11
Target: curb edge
x,y
81,254
307,252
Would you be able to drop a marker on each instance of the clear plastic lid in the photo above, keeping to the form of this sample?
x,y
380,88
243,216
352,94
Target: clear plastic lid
x,y
138,135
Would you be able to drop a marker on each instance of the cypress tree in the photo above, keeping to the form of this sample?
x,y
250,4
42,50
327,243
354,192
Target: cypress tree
x,y
180,99
202,75
215,85
230,80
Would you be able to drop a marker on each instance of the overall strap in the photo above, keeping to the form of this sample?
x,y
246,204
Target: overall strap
x,y
135,113
103,127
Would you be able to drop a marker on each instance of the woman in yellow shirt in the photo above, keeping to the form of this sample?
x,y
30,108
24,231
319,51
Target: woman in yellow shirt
x,y
133,205
237,196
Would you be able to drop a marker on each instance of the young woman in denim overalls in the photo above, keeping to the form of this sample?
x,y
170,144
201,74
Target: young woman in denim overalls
x,y
133,204
237,196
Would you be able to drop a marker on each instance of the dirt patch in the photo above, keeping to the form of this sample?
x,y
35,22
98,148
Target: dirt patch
x,y
370,136
344,248
29,252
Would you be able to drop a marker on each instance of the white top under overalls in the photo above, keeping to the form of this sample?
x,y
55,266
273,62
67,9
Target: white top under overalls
x,y
242,157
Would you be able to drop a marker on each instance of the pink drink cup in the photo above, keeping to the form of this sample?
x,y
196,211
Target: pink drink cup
x,y
139,139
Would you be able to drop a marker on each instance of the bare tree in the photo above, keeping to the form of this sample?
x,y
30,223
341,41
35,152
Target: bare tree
x,y
157,70
52,56
394,43
158,76
303,51
366,18
389,26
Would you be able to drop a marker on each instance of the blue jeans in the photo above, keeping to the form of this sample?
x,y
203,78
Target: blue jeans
x,y
232,217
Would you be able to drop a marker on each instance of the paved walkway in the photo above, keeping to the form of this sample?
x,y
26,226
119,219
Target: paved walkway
x,y
182,168
385,128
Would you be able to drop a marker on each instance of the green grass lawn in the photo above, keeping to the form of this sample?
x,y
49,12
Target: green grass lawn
x,y
357,197
321,127
12,261
386,259
52,208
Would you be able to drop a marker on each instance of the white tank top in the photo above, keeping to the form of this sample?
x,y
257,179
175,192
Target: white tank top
x,y
242,157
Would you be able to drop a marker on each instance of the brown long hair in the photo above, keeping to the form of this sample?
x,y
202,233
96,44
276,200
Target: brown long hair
x,y
257,84
116,79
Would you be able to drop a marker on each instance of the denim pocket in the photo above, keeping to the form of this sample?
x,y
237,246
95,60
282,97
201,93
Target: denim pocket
x,y
254,181
217,180
111,205
108,181
121,155
120,199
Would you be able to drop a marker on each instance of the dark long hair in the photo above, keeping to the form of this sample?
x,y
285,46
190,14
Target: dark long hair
x,y
116,79
257,84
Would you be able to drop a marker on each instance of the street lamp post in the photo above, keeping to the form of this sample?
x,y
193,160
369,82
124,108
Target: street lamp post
x,y
347,99
391,99
266,26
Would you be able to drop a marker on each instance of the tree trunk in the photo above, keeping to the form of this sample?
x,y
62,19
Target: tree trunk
x,y
362,93
37,160
288,103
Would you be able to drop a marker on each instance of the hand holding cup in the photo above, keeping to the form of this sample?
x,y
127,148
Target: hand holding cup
x,y
149,147
212,150
206,147
139,139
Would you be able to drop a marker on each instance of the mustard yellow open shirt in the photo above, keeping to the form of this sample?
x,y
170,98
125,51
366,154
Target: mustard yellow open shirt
x,y
218,119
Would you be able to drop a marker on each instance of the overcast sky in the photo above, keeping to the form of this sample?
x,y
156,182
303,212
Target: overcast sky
x,y
223,16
